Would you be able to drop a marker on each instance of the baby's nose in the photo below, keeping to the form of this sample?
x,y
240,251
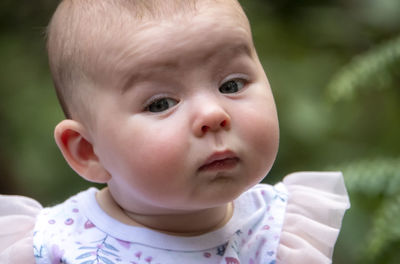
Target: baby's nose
x,y
211,118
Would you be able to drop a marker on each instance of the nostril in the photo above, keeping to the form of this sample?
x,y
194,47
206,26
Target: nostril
x,y
204,129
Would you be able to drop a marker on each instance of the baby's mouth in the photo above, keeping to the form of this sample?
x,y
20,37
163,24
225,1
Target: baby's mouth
x,y
220,161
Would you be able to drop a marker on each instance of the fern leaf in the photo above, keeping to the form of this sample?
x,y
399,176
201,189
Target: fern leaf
x,y
379,177
386,228
375,69
373,176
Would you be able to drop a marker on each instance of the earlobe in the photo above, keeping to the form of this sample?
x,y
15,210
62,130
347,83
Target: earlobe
x,y
71,138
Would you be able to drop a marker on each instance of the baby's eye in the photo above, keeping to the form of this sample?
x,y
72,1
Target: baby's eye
x,y
160,105
232,86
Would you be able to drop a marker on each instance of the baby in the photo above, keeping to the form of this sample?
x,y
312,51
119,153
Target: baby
x,y
168,104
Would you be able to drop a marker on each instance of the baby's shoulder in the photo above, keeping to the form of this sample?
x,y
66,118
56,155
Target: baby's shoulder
x,y
57,227
270,192
65,214
316,205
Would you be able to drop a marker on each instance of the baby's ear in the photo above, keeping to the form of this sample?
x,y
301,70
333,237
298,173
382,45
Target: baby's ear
x,y
71,138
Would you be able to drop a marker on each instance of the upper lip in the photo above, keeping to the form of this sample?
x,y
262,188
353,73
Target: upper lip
x,y
219,155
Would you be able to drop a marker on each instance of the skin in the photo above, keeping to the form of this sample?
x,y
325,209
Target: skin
x,y
153,161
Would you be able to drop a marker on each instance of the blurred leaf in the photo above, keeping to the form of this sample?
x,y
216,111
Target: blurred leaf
x,y
386,229
377,69
373,176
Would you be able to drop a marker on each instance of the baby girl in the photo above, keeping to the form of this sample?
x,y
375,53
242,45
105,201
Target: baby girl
x,y
167,103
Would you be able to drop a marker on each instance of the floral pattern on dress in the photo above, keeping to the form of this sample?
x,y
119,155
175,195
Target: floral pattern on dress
x,y
100,251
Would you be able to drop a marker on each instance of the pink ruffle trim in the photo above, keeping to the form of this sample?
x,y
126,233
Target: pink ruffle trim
x,y
17,220
317,203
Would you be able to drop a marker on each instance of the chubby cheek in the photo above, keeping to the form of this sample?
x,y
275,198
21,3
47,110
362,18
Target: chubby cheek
x,y
154,158
260,130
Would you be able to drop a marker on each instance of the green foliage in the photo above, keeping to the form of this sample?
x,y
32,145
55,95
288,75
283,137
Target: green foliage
x,y
375,181
378,179
377,69
374,176
386,228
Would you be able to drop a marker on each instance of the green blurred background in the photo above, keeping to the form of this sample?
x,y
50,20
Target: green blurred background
x,y
334,69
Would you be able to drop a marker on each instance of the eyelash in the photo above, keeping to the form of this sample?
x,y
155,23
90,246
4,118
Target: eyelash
x,y
156,99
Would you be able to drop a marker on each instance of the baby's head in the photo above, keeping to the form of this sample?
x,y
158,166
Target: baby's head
x,y
166,100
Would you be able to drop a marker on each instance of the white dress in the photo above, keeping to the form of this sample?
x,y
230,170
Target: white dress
x,y
295,221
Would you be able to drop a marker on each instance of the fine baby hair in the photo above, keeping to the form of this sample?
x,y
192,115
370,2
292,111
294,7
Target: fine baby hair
x,y
167,103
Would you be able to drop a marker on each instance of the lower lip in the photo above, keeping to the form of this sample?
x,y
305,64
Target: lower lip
x,y
221,165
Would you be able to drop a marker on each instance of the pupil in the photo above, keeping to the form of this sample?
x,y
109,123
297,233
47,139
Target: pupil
x,y
162,104
159,106
230,87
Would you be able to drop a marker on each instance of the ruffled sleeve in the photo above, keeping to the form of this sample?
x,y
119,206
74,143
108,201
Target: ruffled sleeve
x,y
317,203
17,220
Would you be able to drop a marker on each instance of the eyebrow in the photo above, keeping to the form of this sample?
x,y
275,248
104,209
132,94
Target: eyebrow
x,y
218,51
233,50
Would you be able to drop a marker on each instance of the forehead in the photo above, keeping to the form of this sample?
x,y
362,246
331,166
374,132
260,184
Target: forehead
x,y
217,28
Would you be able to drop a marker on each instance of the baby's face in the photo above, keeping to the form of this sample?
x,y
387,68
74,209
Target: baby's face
x,y
188,120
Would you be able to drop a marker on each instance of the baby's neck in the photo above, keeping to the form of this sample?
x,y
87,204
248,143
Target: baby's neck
x,y
183,224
